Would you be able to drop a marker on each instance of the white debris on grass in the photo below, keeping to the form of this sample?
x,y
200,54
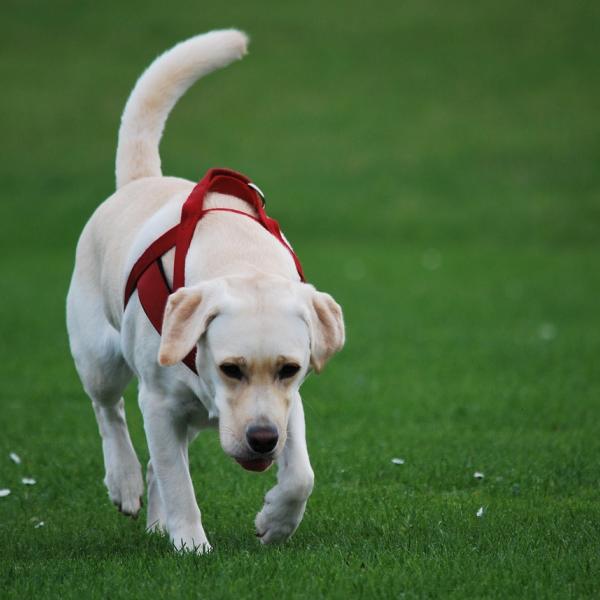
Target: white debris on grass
x,y
15,458
4,492
478,475
36,522
480,512
28,481
398,461
547,332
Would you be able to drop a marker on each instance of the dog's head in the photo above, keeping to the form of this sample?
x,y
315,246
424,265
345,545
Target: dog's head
x,y
258,338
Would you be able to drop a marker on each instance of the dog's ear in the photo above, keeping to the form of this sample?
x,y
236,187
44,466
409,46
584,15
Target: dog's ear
x,y
187,315
326,326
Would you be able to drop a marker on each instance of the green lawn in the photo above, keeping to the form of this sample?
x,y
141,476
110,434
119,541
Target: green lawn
x,y
437,167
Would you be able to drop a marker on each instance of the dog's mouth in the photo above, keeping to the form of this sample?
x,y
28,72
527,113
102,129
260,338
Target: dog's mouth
x,y
255,464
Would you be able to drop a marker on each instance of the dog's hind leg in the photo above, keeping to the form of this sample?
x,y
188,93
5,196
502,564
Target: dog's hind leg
x,y
123,477
95,346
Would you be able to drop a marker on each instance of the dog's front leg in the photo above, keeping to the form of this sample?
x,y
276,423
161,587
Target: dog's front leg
x,y
285,503
167,436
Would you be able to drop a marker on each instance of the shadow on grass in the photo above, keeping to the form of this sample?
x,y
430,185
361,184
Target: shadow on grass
x,y
111,539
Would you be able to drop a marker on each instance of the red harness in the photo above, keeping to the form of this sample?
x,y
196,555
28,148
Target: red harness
x,y
147,274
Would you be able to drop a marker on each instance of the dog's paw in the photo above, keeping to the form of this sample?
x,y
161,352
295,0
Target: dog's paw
x,y
185,542
125,488
280,516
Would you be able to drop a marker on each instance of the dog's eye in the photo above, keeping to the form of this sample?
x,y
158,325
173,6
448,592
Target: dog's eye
x,y
232,371
288,370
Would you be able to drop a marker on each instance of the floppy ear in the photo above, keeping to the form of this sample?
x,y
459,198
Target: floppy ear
x,y
326,325
187,315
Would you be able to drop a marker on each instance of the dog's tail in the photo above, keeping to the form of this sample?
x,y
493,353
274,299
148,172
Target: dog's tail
x,y
157,91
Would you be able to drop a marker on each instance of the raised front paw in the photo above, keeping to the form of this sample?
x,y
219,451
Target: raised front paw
x,y
280,515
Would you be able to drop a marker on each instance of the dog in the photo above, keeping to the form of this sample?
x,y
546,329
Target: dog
x,y
231,343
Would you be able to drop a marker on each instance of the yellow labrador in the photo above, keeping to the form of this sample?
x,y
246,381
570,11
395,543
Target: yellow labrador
x,y
257,329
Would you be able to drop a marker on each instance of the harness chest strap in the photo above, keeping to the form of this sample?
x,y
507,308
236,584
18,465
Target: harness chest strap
x,y
147,274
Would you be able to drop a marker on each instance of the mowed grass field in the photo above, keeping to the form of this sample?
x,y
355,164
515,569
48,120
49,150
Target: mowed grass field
x,y
436,166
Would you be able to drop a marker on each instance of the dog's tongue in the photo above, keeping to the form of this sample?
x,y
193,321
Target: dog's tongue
x,y
257,464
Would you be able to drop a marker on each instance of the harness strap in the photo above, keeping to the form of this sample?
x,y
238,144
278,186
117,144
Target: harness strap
x,y
152,254
153,284
147,274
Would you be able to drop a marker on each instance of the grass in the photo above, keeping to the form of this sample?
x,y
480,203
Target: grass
x,y
436,167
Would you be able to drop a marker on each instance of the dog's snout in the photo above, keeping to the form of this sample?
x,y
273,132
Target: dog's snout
x,y
262,438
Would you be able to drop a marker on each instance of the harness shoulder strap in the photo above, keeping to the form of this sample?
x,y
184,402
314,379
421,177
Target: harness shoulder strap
x,y
154,291
147,274
152,254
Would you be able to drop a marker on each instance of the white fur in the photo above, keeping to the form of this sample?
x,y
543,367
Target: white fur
x,y
243,302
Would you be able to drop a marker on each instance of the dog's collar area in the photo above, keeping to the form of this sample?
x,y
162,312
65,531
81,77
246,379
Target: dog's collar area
x,y
259,192
147,275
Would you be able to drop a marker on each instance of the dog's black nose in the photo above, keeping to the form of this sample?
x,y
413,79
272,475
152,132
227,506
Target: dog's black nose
x,y
262,438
